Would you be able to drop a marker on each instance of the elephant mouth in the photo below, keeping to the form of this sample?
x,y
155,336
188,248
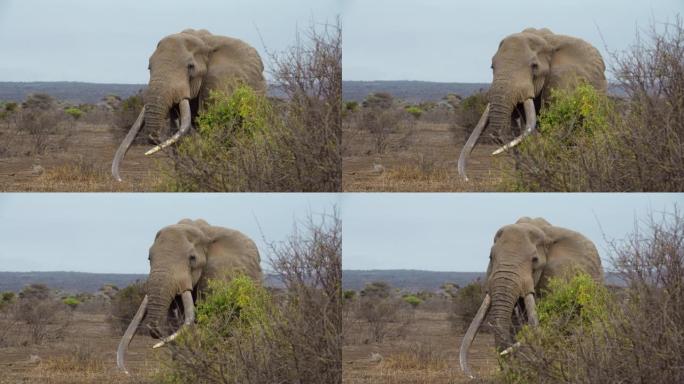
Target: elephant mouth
x,y
519,111
524,311
175,318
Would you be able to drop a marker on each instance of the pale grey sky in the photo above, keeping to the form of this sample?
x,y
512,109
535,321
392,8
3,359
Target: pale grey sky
x,y
112,232
453,41
110,41
454,232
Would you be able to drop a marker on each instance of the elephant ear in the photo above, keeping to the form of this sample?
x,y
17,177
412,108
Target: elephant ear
x,y
233,61
574,61
229,252
569,251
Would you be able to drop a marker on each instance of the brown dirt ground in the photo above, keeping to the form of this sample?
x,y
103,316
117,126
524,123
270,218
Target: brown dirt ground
x,y
431,333
86,354
82,162
421,159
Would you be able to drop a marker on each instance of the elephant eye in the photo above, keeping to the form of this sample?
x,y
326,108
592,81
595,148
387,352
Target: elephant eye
x,y
191,66
535,66
535,259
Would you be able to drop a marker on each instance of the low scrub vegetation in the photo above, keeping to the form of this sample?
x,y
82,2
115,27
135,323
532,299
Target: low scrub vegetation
x,y
124,305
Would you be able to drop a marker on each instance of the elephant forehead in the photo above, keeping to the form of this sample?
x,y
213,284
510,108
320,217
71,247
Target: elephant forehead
x,y
516,233
178,233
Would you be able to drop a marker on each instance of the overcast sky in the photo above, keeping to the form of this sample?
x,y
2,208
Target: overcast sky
x,y
112,233
454,41
454,232
110,41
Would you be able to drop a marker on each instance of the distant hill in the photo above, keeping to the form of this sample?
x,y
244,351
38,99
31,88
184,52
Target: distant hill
x,y
73,92
76,92
407,279
417,280
411,91
78,281
91,93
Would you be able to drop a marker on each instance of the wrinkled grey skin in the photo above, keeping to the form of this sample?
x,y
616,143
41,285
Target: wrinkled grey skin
x,y
183,258
185,255
528,66
187,66
523,258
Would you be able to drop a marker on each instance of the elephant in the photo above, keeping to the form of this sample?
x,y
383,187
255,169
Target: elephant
x,y
183,257
523,258
526,67
184,68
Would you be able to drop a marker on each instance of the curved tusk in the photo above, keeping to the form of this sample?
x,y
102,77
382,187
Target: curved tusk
x,y
126,143
530,308
470,335
128,336
470,144
189,310
530,125
185,127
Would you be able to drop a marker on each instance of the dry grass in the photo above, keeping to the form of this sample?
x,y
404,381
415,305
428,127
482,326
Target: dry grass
x,y
77,159
417,157
85,354
419,347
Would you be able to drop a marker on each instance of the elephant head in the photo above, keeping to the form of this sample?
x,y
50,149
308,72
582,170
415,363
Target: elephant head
x,y
182,258
526,67
183,69
522,259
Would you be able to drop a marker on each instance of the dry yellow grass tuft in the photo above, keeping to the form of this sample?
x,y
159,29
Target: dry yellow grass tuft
x,y
82,175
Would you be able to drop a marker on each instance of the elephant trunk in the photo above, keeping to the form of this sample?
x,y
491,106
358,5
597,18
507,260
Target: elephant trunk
x,y
502,106
503,301
161,293
156,111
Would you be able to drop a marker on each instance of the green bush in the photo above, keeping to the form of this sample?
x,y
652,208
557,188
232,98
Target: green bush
x,y
74,112
240,145
237,304
7,299
414,111
71,301
577,145
412,300
571,312
582,111
351,106
376,289
580,301
349,294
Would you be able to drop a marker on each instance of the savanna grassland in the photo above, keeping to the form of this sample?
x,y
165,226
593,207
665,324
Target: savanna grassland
x,y
48,145
391,145
411,338
242,142
588,332
52,337
629,140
